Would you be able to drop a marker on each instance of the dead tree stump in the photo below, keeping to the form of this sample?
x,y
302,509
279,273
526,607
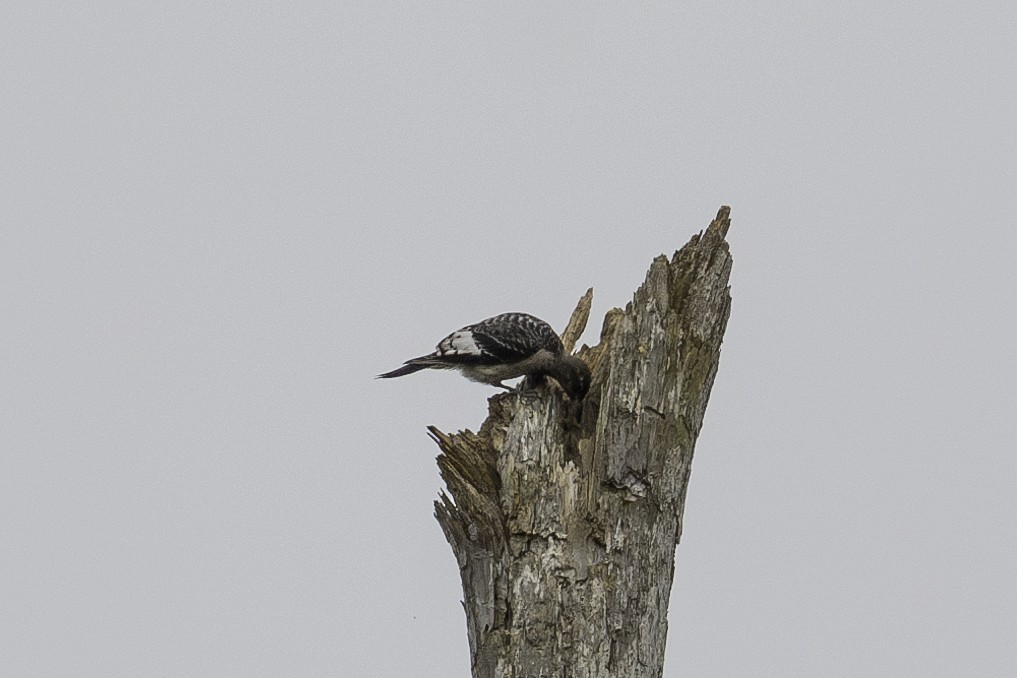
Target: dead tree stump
x,y
565,532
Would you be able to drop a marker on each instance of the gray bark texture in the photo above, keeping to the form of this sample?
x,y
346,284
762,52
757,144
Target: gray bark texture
x,y
565,523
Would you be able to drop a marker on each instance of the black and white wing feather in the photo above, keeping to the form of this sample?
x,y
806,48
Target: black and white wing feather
x,y
505,338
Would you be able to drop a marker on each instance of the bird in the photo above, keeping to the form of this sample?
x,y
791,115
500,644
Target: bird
x,y
504,347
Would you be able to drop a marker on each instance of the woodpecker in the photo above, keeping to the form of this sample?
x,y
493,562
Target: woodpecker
x,y
504,347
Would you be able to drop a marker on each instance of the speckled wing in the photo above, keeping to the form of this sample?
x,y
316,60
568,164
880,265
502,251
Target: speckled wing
x,y
509,337
483,349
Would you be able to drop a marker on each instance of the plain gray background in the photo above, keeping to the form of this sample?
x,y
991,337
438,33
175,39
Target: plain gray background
x,y
220,220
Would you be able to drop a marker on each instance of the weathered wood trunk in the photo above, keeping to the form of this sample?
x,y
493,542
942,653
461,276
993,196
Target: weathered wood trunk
x,y
565,532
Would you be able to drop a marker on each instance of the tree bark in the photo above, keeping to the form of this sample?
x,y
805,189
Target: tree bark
x,y
565,532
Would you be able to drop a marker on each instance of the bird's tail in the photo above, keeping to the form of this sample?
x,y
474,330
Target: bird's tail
x,y
411,366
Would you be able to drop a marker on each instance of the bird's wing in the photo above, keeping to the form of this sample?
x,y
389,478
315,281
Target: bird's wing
x,y
504,338
460,346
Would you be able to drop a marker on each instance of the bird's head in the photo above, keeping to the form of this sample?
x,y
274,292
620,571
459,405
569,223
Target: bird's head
x,y
574,376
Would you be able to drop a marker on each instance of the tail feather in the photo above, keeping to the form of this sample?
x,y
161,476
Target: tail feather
x,y
401,371
411,366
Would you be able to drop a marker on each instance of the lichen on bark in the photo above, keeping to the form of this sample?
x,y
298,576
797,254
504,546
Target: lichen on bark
x,y
564,530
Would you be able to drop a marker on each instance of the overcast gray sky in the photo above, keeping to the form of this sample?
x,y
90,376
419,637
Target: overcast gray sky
x,y
220,220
